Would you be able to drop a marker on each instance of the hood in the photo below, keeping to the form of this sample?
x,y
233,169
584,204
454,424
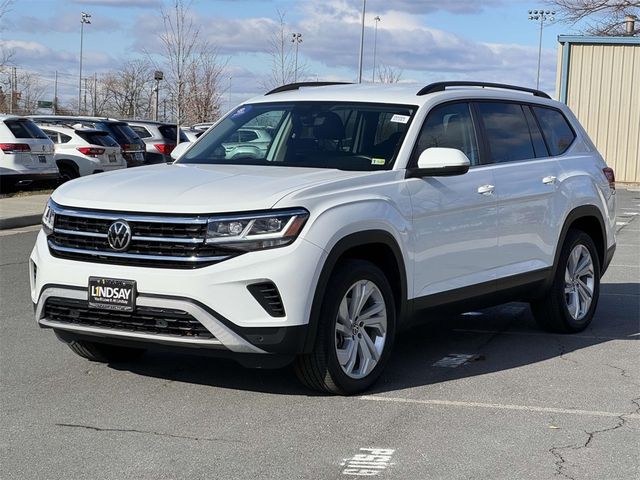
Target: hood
x,y
191,188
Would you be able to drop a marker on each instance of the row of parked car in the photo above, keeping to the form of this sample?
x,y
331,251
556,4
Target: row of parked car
x,y
48,149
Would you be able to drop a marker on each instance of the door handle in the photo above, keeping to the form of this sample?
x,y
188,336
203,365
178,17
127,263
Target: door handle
x,y
549,180
486,189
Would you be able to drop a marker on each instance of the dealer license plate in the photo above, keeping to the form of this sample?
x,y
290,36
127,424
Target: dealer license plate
x,y
112,294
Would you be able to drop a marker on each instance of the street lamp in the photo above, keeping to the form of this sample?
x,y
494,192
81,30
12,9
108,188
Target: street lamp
x,y
375,44
296,38
157,76
541,16
364,8
84,18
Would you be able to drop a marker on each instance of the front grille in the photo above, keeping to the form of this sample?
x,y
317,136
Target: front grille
x,y
159,321
170,242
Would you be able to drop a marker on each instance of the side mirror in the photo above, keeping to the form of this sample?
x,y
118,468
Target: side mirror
x,y
180,149
440,162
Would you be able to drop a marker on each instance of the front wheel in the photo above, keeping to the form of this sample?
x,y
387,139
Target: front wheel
x,y
571,302
355,333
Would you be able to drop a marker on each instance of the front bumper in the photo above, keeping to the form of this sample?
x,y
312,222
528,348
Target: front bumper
x,y
217,296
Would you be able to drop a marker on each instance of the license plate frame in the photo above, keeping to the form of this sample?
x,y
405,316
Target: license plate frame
x,y
138,156
42,158
112,158
111,294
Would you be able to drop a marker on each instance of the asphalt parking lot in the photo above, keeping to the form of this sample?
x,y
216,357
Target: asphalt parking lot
x,y
523,405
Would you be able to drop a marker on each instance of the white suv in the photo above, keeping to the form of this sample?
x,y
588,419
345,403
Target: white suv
x,y
26,153
370,206
83,151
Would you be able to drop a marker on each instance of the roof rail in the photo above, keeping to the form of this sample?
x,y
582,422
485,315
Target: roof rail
x,y
441,86
296,86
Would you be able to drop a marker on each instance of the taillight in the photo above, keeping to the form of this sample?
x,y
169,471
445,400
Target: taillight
x,y
14,147
91,151
611,177
165,148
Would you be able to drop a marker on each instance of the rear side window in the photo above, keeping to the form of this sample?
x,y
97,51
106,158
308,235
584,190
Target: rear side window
x,y
98,138
169,132
556,129
449,126
507,131
25,129
141,131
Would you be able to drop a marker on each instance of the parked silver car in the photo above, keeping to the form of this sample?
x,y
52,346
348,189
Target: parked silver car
x,y
159,138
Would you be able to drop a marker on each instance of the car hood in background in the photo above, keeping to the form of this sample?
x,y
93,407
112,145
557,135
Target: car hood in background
x,y
193,188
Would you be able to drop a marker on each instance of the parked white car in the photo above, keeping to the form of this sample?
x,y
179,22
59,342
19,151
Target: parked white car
x,y
82,151
370,207
26,153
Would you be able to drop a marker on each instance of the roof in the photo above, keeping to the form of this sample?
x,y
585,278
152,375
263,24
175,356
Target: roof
x,y
9,116
397,93
591,39
77,118
147,122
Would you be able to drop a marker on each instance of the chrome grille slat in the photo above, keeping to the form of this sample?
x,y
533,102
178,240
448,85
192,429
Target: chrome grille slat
x,y
176,242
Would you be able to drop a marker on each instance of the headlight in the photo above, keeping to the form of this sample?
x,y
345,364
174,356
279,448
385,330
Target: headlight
x,y
257,231
48,219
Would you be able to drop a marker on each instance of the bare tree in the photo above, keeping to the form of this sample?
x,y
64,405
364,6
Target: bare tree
x,y
388,74
283,57
203,92
127,91
601,17
5,53
30,90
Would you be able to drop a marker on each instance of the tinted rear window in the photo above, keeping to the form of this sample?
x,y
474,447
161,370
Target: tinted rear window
x,y
169,132
556,129
25,129
507,131
95,138
123,133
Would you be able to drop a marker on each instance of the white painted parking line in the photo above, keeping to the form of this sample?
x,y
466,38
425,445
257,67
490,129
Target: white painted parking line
x,y
500,406
454,360
15,231
624,214
540,334
622,223
369,463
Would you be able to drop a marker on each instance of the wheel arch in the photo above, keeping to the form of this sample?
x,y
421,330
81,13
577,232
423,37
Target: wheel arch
x,y
588,219
377,246
66,162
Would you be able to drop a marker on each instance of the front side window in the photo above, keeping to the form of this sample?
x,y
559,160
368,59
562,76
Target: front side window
x,y
507,131
449,126
556,129
345,136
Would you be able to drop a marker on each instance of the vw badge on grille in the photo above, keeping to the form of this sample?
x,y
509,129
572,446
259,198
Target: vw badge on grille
x,y
119,235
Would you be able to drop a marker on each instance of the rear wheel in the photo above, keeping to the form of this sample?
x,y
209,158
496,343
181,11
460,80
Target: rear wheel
x,y
571,302
355,333
99,352
67,172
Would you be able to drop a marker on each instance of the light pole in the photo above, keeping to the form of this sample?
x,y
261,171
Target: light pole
x,y
375,45
296,38
364,8
84,18
157,76
541,16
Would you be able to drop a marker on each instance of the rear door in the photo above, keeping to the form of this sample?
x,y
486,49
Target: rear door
x,y
455,218
526,187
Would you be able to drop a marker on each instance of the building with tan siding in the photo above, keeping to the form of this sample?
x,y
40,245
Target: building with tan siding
x,y
599,79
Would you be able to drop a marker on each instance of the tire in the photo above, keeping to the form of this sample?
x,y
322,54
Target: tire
x,y
565,308
67,172
99,352
363,348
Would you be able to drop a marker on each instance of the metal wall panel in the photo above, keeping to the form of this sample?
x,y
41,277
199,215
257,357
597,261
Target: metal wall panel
x,y
603,90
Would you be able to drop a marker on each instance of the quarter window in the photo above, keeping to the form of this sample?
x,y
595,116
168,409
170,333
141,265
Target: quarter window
x,y
556,129
449,126
506,131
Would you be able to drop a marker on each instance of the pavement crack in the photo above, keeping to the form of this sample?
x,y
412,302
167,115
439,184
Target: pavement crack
x,y
560,460
145,432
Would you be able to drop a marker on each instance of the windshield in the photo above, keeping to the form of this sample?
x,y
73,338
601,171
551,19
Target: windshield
x,y
345,136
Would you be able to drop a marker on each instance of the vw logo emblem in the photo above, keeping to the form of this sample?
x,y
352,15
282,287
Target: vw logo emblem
x,y
119,235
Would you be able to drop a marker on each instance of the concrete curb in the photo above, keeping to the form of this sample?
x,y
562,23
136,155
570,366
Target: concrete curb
x,y
17,222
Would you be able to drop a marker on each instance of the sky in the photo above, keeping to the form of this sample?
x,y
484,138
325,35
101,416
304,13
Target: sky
x,y
428,40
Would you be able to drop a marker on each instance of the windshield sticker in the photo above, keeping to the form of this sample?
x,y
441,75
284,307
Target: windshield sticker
x,y
378,161
241,111
400,118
